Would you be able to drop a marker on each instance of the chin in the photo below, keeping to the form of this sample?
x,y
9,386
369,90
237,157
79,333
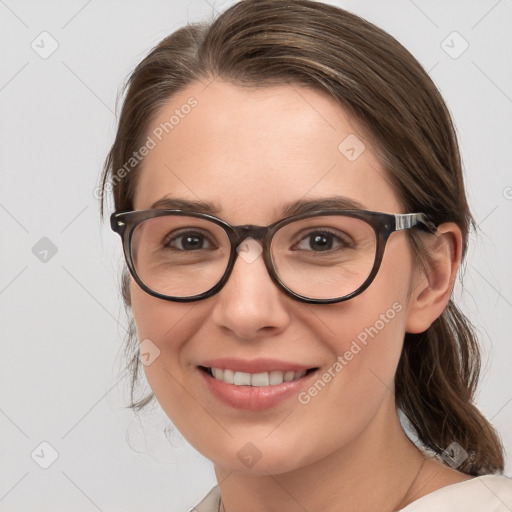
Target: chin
x,y
283,454
249,459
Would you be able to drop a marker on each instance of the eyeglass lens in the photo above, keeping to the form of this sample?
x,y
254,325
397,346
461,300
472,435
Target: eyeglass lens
x,y
319,257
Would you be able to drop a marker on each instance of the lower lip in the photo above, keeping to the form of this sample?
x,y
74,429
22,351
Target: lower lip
x,y
254,398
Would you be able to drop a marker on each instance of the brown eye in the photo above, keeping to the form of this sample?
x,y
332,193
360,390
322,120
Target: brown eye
x,y
320,240
188,241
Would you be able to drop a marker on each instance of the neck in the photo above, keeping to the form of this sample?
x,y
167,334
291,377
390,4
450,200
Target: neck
x,y
373,472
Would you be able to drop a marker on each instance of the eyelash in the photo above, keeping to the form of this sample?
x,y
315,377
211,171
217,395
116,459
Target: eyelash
x,y
173,237
325,231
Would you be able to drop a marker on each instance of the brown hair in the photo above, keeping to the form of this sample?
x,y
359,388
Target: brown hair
x,y
372,76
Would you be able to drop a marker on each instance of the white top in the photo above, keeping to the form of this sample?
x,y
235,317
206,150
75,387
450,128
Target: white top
x,y
488,493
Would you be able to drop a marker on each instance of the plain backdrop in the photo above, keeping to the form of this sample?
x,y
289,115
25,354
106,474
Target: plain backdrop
x,y
62,387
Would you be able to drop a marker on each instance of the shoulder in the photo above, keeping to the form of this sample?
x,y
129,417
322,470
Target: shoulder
x,y
492,493
210,503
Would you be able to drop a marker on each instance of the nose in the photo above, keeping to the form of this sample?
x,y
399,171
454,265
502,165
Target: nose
x,y
250,305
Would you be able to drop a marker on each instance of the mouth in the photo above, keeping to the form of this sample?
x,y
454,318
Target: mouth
x,y
260,379
262,385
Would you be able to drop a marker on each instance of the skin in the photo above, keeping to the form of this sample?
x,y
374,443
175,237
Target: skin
x,y
251,151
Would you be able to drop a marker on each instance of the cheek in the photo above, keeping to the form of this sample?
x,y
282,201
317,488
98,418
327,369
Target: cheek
x,y
366,347
163,328
379,315
158,320
365,337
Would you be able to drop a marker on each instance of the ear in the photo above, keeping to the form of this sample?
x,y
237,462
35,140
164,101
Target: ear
x,y
433,285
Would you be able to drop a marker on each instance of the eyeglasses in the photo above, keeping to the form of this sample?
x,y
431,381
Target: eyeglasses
x,y
320,257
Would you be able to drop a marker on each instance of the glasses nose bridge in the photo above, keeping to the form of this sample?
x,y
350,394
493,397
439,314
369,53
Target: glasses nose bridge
x,y
250,231
258,233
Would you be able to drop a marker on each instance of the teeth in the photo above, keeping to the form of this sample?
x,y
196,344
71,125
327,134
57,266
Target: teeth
x,y
218,374
228,376
288,376
256,379
260,379
241,379
275,377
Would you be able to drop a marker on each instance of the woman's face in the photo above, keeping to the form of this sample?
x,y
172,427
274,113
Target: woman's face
x,y
251,153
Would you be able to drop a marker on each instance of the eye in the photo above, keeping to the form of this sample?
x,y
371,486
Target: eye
x,y
188,241
321,240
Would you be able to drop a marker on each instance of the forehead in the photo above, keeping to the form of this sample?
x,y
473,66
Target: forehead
x,y
249,151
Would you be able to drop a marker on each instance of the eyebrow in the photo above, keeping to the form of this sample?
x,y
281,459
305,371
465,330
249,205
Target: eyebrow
x,y
324,203
335,202
175,203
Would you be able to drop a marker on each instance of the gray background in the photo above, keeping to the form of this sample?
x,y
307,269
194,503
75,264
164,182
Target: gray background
x,y
62,323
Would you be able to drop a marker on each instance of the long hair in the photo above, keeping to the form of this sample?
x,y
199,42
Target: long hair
x,y
260,43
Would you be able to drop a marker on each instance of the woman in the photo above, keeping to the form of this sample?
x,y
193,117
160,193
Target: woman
x,y
288,189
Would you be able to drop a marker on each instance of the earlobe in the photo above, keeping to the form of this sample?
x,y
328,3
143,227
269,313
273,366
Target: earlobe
x,y
433,285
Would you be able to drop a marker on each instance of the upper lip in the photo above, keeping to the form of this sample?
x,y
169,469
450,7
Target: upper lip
x,y
259,365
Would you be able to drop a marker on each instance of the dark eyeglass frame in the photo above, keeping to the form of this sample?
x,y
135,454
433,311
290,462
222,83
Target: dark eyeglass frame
x,y
383,224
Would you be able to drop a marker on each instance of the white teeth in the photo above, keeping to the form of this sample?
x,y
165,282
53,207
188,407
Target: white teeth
x,y
242,379
276,377
260,379
288,376
229,376
256,379
217,373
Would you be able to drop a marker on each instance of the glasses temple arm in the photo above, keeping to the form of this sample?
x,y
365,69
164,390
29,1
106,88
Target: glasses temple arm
x,y
409,220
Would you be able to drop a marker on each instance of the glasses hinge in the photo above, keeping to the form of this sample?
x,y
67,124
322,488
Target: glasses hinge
x,y
405,221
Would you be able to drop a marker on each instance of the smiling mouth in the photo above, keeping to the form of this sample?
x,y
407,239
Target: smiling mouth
x,y
261,379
